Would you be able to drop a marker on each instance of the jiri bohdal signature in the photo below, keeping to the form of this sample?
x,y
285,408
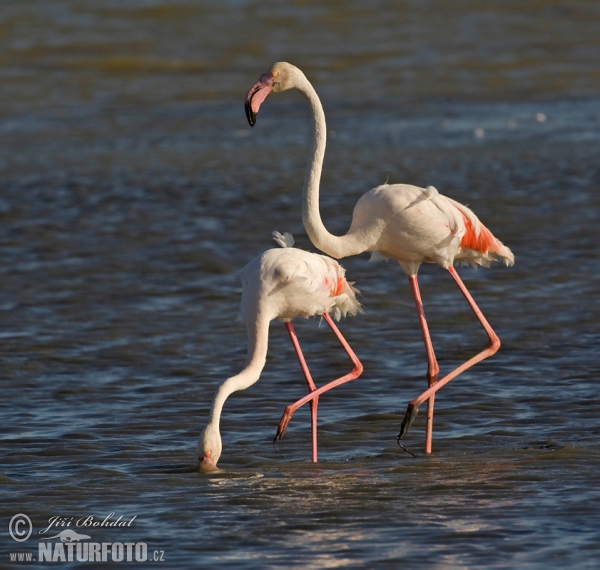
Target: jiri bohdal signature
x,y
90,521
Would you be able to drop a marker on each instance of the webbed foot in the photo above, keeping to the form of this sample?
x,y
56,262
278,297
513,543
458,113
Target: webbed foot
x,y
409,418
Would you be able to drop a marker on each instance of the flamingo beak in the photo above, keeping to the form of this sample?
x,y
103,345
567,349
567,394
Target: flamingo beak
x,y
257,94
207,463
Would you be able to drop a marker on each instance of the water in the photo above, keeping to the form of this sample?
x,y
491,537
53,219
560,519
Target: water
x,y
132,193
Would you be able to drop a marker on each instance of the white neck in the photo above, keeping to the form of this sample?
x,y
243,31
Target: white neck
x,y
335,246
258,340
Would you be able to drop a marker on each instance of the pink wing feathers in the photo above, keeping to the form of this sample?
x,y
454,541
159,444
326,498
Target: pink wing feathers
x,y
479,246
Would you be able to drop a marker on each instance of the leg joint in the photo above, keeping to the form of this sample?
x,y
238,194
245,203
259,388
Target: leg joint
x,y
494,344
358,368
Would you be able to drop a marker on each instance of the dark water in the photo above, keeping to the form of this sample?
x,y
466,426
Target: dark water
x,y
132,191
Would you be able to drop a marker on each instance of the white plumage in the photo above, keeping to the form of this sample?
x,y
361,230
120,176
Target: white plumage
x,y
289,282
280,284
399,221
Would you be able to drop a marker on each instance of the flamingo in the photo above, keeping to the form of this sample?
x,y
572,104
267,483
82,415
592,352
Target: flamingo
x,y
407,223
283,284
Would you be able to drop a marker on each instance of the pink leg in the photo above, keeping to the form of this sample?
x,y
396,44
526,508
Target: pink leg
x,y
355,373
432,365
311,386
492,348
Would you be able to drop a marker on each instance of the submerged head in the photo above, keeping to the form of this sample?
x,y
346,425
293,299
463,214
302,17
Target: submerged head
x,y
280,77
209,448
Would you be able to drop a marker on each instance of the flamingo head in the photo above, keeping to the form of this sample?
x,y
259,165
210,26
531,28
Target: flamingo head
x,y
280,77
209,448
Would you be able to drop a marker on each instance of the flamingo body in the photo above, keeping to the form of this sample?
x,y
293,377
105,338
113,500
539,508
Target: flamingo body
x,y
407,223
279,284
419,225
287,283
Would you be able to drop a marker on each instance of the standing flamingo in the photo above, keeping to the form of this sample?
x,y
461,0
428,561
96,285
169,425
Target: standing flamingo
x,y
283,284
399,221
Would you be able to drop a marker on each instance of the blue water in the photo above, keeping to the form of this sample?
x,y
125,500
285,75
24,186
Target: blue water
x,y
133,191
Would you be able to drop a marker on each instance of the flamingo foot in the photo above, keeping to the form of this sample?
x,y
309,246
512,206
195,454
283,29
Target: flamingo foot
x,y
409,418
407,450
283,424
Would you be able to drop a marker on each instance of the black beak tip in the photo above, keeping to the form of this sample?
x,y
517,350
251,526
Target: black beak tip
x,y
250,115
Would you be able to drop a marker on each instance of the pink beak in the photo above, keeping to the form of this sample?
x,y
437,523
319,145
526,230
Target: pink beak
x,y
257,94
207,463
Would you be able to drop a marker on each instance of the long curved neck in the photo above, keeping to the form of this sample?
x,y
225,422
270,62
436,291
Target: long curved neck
x,y
258,340
318,234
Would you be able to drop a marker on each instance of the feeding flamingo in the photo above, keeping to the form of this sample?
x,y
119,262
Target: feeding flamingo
x,y
396,221
283,284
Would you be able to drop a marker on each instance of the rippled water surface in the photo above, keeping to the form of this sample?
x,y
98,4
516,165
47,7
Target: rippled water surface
x,y
132,192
